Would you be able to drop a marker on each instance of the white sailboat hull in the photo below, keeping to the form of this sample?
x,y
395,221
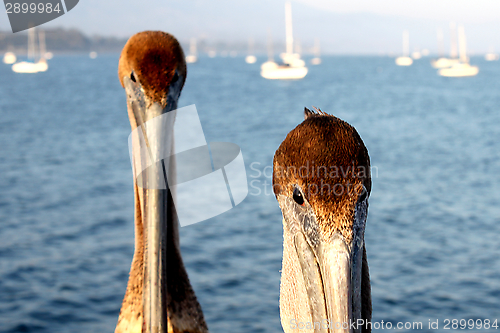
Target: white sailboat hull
x,y
30,67
9,58
416,55
284,73
250,59
491,57
191,59
444,63
459,70
316,61
404,61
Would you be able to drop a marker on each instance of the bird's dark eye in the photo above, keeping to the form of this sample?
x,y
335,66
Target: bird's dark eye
x,y
132,77
363,195
175,78
298,197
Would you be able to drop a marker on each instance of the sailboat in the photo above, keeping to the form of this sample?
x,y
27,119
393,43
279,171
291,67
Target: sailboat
x,y
270,63
316,60
9,58
33,67
405,60
416,54
250,58
293,67
491,55
192,57
442,61
462,68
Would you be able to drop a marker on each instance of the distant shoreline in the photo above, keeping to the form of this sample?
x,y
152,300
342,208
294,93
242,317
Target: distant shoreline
x,y
59,40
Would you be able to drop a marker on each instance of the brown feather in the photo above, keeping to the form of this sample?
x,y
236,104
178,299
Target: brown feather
x,y
326,157
152,57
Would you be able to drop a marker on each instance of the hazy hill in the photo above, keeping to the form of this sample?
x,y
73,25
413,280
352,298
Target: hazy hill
x,y
62,40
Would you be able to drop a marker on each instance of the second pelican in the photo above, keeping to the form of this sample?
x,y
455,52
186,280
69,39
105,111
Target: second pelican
x,y
322,181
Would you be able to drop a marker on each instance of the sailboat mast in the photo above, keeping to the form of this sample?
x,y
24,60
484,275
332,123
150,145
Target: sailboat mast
x,y
440,39
288,26
270,51
317,49
462,44
31,43
41,40
406,43
453,40
250,46
192,46
298,46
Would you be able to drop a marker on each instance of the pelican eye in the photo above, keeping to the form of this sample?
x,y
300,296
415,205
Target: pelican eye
x,y
363,195
175,78
298,197
132,77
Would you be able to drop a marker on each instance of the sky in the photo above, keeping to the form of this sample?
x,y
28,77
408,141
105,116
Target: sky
x,y
465,11
360,26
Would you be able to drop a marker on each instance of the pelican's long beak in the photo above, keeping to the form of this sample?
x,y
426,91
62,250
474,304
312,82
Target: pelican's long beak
x,y
330,267
152,187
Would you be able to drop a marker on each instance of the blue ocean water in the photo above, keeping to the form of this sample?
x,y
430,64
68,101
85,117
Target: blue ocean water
x,y
66,196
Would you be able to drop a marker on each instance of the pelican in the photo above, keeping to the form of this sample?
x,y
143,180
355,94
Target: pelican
x,y
321,179
152,69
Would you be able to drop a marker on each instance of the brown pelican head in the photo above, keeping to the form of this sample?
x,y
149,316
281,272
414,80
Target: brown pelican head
x,y
159,297
152,70
322,182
